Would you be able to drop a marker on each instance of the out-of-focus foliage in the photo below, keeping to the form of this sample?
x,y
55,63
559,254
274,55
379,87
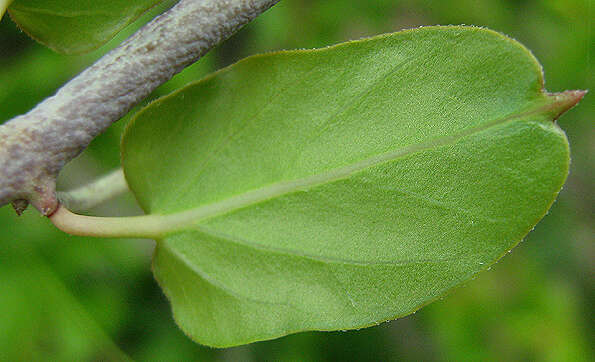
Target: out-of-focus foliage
x,y
76,26
63,297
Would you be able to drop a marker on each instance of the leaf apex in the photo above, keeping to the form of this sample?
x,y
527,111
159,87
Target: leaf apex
x,y
563,101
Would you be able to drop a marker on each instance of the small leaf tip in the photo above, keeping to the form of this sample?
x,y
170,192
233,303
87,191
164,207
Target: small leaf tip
x,y
563,101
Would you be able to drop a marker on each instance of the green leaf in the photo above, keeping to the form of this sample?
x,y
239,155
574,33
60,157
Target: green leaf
x,y
338,188
3,5
76,26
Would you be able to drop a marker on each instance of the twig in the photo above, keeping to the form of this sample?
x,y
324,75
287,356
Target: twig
x,y
34,147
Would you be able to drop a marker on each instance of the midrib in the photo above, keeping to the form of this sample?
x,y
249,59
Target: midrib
x,y
158,226
181,220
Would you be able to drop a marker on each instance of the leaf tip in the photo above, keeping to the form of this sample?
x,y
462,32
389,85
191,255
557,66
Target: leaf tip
x,y
563,101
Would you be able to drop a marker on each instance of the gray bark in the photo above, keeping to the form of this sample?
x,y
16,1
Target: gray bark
x,y
35,146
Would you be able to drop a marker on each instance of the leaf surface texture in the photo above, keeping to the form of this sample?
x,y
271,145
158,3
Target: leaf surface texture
x,y
341,187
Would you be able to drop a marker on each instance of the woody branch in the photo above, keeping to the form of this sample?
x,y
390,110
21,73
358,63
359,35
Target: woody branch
x,y
35,146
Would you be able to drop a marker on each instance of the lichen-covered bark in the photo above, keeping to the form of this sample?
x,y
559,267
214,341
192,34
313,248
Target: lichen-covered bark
x,y
34,147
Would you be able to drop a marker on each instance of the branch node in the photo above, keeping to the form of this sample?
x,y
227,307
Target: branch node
x,y
20,206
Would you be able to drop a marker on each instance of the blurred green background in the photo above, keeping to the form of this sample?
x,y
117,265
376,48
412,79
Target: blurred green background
x,y
71,298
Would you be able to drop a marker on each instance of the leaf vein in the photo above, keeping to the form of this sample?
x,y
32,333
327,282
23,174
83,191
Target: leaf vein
x,y
216,283
180,220
234,134
317,258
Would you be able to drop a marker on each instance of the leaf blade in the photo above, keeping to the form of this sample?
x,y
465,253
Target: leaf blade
x,y
387,236
73,27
